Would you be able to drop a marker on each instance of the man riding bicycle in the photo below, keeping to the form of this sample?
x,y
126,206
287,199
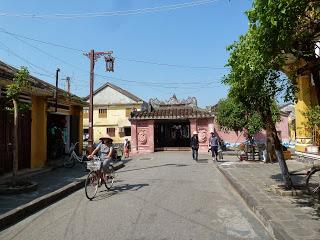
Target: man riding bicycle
x,y
106,152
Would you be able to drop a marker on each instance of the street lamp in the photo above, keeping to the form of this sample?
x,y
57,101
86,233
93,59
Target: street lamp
x,y
93,56
109,63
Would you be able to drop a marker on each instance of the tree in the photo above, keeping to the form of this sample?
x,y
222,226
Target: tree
x,y
277,28
313,121
234,115
20,81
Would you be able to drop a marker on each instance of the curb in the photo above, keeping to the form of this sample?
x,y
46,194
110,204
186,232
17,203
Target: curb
x,y
273,228
15,215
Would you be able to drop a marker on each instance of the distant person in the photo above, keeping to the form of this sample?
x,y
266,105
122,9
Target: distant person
x,y
214,145
194,142
126,148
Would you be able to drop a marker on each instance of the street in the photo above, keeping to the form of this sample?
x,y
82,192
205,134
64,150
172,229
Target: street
x,y
157,196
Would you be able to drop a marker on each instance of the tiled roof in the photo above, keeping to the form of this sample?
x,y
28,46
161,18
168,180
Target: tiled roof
x,y
7,72
171,113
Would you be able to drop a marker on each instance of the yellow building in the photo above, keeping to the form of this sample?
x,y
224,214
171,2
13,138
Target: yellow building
x,y
307,96
41,122
112,108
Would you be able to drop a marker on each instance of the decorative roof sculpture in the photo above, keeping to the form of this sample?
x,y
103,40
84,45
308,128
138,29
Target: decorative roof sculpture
x,y
173,102
172,109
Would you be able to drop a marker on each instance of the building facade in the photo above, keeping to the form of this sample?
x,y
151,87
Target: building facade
x,y
168,125
47,125
112,106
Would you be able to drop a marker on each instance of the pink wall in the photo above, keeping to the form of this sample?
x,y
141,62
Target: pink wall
x,y
142,136
203,127
234,138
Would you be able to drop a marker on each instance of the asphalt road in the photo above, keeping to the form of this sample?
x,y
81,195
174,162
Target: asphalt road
x,y
157,196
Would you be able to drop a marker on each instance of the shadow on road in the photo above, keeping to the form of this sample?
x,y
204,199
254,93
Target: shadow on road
x,y
164,165
118,189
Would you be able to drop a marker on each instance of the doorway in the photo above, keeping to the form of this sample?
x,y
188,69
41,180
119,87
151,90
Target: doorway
x,y
172,134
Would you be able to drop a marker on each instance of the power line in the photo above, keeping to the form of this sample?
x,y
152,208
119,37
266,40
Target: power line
x,y
40,41
121,58
46,53
161,84
171,65
110,13
6,48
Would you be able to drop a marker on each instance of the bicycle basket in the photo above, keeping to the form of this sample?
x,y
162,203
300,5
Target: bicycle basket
x,y
94,165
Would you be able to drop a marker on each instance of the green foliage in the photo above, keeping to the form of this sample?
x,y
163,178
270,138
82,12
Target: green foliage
x,y
313,117
285,26
235,116
276,28
231,115
20,81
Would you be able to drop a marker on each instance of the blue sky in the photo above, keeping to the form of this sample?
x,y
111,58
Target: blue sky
x,y
194,36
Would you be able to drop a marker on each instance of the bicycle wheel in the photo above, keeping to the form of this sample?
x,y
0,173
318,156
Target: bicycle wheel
x,y
69,162
109,178
91,185
313,182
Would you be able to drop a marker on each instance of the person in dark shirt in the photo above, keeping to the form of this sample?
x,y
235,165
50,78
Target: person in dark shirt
x,y
213,145
194,142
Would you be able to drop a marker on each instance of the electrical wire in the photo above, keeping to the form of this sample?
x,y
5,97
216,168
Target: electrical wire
x,y
110,13
40,41
171,65
46,53
117,57
199,85
6,48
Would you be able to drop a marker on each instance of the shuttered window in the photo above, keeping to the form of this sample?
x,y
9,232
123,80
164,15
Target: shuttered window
x,y
103,113
111,132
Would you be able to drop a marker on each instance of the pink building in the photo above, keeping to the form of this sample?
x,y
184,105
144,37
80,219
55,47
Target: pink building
x,y
234,138
168,125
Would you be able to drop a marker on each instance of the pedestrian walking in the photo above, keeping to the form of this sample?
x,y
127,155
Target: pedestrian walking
x,y
194,142
126,148
213,146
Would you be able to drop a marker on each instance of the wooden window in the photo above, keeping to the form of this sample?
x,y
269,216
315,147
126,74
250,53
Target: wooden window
x,y
128,111
85,113
103,113
111,132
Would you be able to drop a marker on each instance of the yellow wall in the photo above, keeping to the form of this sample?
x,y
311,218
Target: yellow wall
x,y
78,111
306,98
116,118
38,132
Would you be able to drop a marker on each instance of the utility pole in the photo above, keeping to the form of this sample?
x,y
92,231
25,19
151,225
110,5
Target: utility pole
x,y
93,56
56,92
68,84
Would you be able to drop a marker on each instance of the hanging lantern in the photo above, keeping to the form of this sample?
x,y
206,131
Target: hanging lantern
x,y
109,63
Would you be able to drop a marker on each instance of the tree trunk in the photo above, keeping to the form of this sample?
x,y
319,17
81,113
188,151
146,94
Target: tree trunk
x,y
278,150
271,156
15,142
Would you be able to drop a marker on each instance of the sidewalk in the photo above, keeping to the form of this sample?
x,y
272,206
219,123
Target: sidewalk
x,y
284,217
52,186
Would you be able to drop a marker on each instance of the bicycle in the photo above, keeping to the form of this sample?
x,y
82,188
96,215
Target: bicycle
x,y
71,160
97,177
312,178
313,181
